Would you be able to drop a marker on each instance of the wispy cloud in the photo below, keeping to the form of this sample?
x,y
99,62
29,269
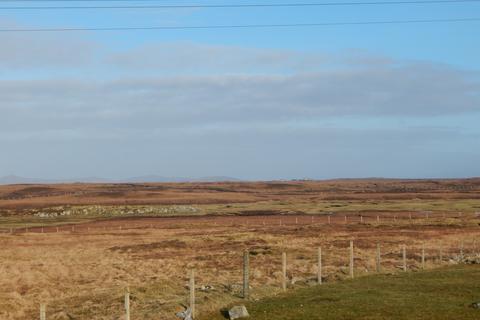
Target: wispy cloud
x,y
43,51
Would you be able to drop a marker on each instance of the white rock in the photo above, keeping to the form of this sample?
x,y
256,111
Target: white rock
x,y
238,312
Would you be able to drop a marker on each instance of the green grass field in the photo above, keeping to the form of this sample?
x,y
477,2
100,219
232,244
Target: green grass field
x,y
445,293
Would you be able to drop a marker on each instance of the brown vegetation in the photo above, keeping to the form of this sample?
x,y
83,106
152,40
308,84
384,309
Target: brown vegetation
x,y
27,196
81,274
81,270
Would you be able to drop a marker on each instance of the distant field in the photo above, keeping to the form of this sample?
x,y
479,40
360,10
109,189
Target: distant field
x,y
442,294
37,205
18,197
37,217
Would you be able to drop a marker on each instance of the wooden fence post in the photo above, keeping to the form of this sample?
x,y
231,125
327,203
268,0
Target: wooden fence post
x,y
345,218
192,292
284,271
423,255
43,312
296,220
440,254
319,271
246,266
328,219
404,258
361,219
378,260
351,259
127,305
461,249
378,219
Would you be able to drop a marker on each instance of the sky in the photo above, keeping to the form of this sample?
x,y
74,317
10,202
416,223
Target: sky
x,y
351,101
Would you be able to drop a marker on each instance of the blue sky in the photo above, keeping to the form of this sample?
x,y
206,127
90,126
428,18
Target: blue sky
x,y
277,103
443,42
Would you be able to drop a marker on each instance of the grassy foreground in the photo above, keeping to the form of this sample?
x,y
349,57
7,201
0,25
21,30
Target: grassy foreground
x,y
436,294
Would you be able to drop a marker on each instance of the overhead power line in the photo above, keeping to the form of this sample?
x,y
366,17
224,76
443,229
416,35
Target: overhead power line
x,y
246,26
246,5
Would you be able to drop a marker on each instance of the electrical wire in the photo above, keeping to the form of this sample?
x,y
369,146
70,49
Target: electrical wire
x,y
246,5
247,26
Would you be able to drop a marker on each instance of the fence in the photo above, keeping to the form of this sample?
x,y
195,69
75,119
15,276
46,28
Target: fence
x,y
418,217
402,253
420,257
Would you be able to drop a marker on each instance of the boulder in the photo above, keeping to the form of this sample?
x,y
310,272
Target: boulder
x,y
185,315
476,305
238,312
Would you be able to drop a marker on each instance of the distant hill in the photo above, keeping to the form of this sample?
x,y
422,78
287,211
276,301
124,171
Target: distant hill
x,y
13,179
155,178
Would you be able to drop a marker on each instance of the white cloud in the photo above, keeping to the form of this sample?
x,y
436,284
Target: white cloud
x,y
245,106
183,101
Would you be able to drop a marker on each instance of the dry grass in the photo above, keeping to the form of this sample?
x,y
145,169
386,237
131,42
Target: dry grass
x,y
82,275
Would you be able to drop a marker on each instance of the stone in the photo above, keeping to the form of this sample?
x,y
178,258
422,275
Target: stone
x,y
185,315
238,312
207,288
475,305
